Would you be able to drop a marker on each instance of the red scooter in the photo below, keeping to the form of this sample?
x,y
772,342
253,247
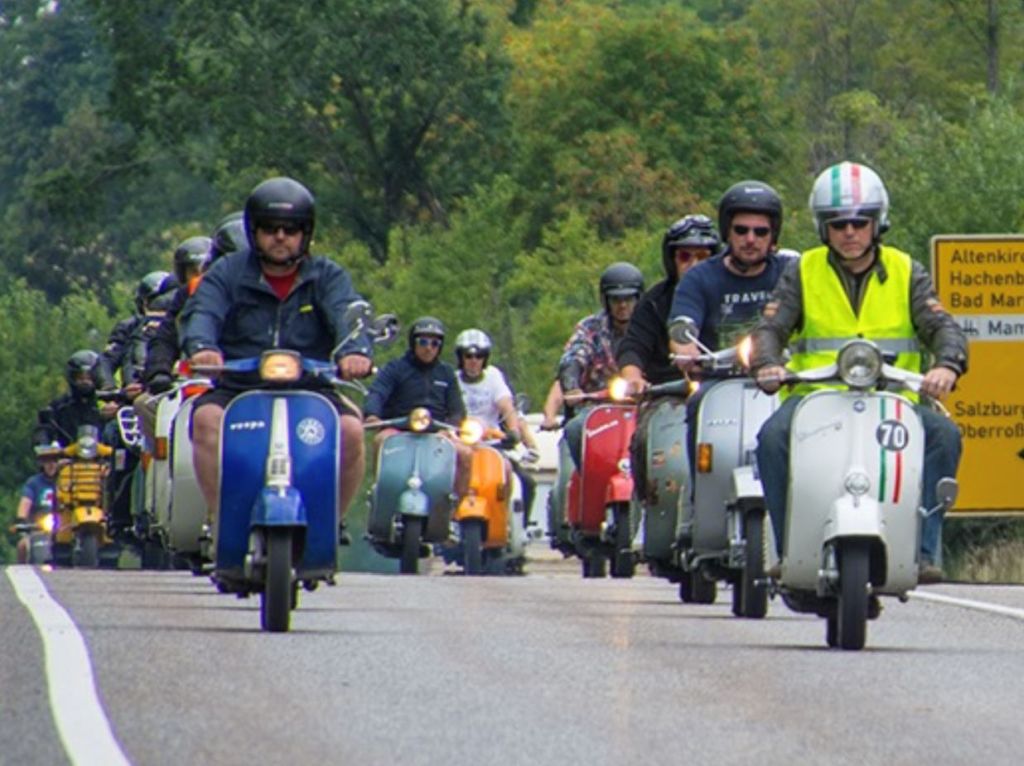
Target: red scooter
x,y
600,510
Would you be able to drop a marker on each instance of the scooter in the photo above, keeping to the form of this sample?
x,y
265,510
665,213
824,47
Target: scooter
x,y
490,540
413,494
600,506
854,515
722,529
80,531
39,530
277,526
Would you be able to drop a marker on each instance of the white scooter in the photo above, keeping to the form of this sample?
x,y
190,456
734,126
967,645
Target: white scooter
x,y
853,516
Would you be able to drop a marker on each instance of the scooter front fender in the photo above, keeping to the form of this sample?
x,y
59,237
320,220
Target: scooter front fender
x,y
620,488
279,508
854,517
414,502
472,507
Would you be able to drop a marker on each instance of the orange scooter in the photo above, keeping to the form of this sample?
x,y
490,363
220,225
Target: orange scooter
x,y
491,539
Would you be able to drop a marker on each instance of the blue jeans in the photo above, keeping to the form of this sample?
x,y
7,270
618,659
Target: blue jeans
x,y
572,433
942,447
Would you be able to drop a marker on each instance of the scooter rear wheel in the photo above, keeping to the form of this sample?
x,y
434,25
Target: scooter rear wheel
x,y
412,527
695,588
276,601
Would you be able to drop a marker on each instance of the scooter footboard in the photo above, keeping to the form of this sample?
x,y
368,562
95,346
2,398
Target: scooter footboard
x,y
314,447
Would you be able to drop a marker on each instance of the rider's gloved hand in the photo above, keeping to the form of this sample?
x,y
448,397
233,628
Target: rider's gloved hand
x,y
532,456
159,383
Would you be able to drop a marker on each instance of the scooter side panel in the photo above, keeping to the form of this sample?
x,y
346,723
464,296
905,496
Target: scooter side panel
x,y
314,443
834,434
606,435
731,413
668,475
394,467
186,511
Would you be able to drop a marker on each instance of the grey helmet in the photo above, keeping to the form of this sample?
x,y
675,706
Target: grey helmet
x,y
849,191
473,341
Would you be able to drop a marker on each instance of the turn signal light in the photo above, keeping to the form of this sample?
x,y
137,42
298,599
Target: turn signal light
x,y
705,454
160,448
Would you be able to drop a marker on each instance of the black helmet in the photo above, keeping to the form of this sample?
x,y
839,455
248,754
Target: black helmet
x,y
280,199
426,326
621,279
193,253
229,236
81,361
750,197
689,231
473,341
150,286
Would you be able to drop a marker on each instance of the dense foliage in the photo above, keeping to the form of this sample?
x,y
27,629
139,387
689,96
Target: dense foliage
x,y
482,160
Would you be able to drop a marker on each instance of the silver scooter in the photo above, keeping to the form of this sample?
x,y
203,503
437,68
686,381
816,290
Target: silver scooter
x,y
854,515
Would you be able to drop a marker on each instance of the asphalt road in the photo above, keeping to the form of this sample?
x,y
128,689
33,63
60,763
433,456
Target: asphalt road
x,y
542,669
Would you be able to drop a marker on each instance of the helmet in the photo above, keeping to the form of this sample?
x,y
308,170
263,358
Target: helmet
x,y
49,451
849,190
426,326
688,231
750,197
150,286
621,279
280,199
229,236
475,341
193,253
81,361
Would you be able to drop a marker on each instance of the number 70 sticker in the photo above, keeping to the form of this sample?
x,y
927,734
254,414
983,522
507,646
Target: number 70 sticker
x,y
892,435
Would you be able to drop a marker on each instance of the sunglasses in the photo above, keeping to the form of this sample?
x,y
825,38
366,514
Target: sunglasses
x,y
290,229
424,342
685,256
856,223
759,231
471,355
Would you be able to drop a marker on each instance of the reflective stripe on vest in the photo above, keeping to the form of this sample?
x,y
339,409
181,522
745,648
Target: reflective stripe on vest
x,y
829,321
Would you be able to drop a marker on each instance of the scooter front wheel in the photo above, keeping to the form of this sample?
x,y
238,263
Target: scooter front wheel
x,y
87,549
852,617
750,594
472,546
623,561
412,529
276,600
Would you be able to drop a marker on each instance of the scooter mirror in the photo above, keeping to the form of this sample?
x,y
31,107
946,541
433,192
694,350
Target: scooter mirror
x,y
522,403
358,312
946,491
385,329
683,330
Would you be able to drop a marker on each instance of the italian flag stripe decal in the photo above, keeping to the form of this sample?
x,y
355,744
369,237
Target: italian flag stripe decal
x,y
898,479
882,462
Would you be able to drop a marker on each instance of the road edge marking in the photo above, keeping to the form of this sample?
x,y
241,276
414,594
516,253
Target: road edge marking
x,y
981,606
81,722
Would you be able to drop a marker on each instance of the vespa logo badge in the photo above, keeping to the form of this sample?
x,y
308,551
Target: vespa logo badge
x,y
892,435
248,425
310,431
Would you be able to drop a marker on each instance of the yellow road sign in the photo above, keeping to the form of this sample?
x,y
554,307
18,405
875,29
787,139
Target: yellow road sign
x,y
980,280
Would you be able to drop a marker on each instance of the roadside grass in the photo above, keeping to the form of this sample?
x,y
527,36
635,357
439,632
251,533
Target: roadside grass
x,y
989,550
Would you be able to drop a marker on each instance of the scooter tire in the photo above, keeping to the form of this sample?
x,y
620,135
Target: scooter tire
x,y
623,561
695,588
750,594
854,566
412,529
276,600
594,567
87,551
472,546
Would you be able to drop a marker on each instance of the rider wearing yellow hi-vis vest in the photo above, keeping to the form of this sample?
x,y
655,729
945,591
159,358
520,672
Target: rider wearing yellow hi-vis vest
x,y
854,286
829,320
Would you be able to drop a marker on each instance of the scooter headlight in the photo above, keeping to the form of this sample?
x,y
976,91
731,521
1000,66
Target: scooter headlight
x,y
419,419
471,431
280,366
45,522
857,483
743,351
859,364
618,389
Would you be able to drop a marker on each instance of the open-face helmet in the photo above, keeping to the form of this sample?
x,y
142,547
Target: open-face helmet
x,y
849,191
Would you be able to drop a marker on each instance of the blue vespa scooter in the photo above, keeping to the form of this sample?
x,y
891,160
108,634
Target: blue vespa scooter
x,y
277,527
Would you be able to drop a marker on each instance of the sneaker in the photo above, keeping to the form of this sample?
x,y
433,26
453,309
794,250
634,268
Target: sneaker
x,y
928,574
874,607
344,538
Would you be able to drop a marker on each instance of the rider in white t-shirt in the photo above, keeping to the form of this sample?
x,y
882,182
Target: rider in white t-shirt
x,y
488,398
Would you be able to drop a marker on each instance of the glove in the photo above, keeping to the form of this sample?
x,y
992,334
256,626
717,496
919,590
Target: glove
x,y
160,382
532,456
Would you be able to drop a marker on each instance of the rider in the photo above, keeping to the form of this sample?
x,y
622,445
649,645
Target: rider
x,y
60,420
854,286
419,378
643,354
489,399
38,492
724,295
588,361
274,295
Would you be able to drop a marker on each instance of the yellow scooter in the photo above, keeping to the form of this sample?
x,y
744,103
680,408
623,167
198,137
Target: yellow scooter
x,y
80,534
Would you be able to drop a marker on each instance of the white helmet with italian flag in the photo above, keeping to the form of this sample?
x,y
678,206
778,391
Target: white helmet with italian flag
x,y
849,191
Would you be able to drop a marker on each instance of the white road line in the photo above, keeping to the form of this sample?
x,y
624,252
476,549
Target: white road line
x,y
81,722
981,606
